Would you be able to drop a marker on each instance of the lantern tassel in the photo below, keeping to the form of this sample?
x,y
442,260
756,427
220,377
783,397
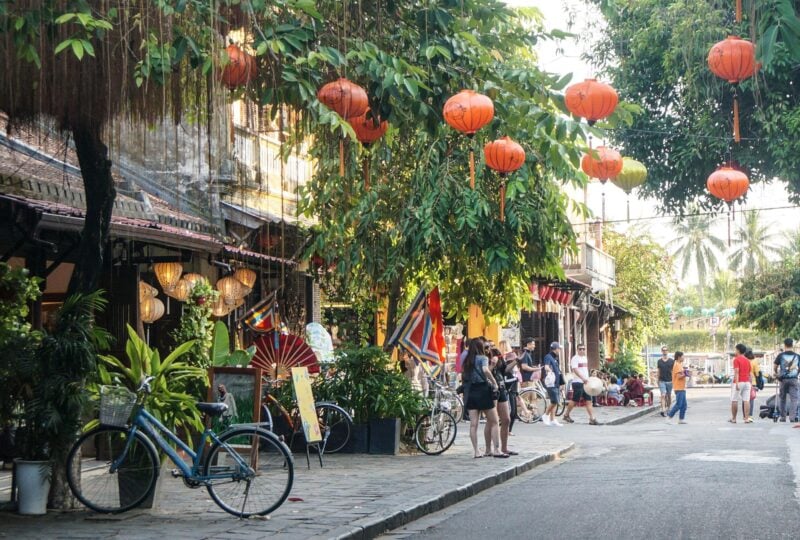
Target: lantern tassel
x,y
629,208
471,169
366,174
604,205
502,202
736,136
341,157
729,225
738,11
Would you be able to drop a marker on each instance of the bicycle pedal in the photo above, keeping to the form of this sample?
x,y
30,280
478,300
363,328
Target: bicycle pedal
x,y
176,473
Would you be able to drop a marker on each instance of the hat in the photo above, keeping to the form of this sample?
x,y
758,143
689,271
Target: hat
x,y
555,345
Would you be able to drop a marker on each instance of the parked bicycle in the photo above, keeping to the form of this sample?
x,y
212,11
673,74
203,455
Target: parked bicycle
x,y
335,423
435,432
114,467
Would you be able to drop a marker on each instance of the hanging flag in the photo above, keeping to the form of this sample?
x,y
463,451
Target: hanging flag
x,y
263,317
415,332
435,310
402,326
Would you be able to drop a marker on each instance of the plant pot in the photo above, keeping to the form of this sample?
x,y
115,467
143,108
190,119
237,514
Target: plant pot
x,y
359,440
33,485
384,436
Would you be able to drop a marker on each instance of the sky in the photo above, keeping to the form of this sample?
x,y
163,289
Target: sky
x,y
565,58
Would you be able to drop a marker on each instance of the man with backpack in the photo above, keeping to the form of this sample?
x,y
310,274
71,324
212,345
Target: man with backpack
x,y
787,368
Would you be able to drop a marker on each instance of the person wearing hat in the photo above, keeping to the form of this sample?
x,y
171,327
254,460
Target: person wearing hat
x,y
579,365
551,372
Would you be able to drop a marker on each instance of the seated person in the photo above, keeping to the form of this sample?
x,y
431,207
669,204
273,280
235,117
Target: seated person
x,y
634,389
614,392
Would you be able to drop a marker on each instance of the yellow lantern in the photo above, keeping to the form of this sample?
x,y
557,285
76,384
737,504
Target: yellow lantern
x,y
246,276
168,274
146,291
181,291
194,279
230,290
220,308
151,309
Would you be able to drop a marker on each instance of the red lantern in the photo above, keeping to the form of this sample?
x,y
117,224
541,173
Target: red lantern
x,y
468,112
504,156
728,184
240,69
368,130
346,98
569,298
544,292
607,164
562,297
733,59
591,99
533,288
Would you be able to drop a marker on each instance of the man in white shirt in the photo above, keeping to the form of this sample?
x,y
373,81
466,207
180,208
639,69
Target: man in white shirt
x,y
579,366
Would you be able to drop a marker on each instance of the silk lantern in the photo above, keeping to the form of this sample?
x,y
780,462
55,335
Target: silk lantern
x,y
632,175
504,156
168,274
368,130
728,184
246,277
349,100
591,99
602,163
468,112
240,69
733,59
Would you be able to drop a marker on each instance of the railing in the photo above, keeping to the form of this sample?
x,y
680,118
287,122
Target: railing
x,y
591,266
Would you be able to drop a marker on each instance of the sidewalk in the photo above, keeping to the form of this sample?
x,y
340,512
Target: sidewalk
x,y
354,496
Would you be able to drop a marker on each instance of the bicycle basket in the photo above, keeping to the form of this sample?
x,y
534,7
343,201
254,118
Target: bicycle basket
x,y
116,404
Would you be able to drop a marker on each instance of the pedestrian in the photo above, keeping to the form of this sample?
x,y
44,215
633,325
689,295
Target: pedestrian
x,y
527,362
664,367
229,414
787,367
552,380
579,366
497,365
740,387
480,385
755,371
679,377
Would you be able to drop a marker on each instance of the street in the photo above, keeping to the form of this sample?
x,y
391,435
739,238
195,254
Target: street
x,y
646,479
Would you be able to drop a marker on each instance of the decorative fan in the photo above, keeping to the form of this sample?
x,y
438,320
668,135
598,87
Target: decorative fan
x,y
291,352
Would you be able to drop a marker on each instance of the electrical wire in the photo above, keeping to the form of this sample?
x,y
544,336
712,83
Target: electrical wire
x,y
681,216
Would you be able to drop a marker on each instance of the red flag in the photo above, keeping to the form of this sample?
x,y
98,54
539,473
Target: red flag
x,y
435,311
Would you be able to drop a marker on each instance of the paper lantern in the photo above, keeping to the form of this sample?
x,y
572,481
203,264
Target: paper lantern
x,y
602,163
468,112
151,309
220,308
240,69
181,291
591,99
230,289
146,291
193,279
348,99
728,184
246,276
733,59
168,274
504,156
632,175
368,129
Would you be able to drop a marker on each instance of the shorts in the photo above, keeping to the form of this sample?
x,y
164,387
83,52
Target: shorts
x,y
552,394
479,397
743,393
665,387
578,392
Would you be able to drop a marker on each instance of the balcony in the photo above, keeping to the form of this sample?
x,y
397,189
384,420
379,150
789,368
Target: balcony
x,y
592,267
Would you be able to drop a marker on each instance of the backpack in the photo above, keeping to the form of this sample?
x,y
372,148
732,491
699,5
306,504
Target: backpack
x,y
790,365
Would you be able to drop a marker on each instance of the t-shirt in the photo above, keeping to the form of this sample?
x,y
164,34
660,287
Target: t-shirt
x,y
790,361
678,383
527,359
755,367
550,360
665,369
478,376
580,367
743,365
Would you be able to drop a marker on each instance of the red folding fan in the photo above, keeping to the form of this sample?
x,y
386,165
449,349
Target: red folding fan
x,y
291,352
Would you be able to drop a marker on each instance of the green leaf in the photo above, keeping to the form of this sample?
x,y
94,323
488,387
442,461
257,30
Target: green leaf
x,y
77,48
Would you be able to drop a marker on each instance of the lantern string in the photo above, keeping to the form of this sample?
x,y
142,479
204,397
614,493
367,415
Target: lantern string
x,y
471,168
738,11
503,201
341,156
366,172
736,135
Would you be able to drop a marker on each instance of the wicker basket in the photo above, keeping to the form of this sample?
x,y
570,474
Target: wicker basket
x,y
116,404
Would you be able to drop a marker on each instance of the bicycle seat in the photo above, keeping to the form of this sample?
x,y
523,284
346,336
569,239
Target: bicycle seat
x,y
211,409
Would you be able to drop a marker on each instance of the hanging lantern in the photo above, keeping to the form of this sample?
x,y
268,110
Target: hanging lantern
x,y
728,184
607,163
568,301
146,291
346,98
168,274
545,292
591,99
240,69
468,112
368,130
533,288
194,279
151,309
246,276
632,175
220,308
230,289
733,59
504,156
181,291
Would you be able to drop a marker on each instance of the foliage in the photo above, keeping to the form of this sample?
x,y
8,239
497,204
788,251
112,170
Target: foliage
x,y
221,355
770,300
643,274
700,340
654,52
366,383
196,325
695,245
790,250
754,245
626,362
724,290
167,402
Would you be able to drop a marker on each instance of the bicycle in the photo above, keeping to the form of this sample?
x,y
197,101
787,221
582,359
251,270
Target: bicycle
x,y
335,423
246,470
455,403
435,432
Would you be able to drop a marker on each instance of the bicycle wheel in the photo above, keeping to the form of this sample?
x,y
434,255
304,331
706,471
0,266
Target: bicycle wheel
x,y
455,404
562,403
532,405
259,486
435,432
335,424
93,482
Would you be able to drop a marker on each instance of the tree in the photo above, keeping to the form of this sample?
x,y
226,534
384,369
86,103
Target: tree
x,y
753,240
643,274
724,290
770,300
790,248
695,245
655,51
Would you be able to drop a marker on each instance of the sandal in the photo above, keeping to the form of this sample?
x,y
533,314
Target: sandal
x,y
748,421
732,421
500,455
511,453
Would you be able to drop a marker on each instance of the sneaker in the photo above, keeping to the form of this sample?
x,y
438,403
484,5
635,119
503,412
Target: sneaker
x,y
546,420
783,419
557,423
662,413
568,420
594,422
682,422
669,421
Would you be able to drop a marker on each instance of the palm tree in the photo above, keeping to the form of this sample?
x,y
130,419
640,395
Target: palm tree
x,y
790,250
724,291
695,245
754,245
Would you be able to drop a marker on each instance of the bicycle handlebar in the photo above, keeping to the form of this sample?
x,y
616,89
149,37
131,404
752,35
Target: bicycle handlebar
x,y
145,385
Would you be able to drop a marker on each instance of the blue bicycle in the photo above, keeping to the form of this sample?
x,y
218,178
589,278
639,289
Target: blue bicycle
x,y
113,468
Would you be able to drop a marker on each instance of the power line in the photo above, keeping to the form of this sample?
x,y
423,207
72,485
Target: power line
x,y
694,214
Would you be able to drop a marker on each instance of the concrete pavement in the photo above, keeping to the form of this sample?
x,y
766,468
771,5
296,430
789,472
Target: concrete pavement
x,y
354,496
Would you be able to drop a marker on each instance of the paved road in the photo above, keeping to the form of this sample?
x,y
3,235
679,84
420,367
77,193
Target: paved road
x,y
646,479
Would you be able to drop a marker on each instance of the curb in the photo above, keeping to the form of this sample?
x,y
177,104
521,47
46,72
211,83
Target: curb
x,y
372,527
639,413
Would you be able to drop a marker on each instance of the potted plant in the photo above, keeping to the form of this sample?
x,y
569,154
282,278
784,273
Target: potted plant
x,y
380,398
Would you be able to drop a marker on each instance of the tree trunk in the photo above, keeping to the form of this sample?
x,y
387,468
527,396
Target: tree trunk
x,y
60,496
391,310
99,193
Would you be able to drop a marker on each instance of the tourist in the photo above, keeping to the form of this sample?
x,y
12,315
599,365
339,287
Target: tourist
x,y
679,377
787,367
740,386
497,365
552,383
579,366
664,367
755,369
527,362
479,387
